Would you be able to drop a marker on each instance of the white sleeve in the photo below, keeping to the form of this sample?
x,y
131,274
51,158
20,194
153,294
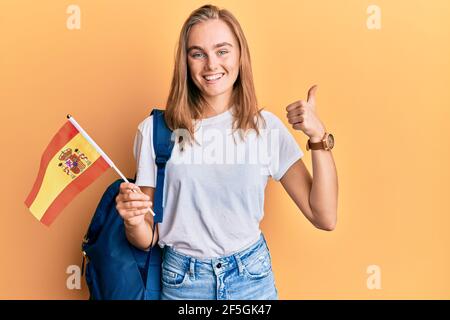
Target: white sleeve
x,y
285,149
144,154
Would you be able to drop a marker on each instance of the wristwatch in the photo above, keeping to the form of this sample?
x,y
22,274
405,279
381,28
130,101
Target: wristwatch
x,y
327,143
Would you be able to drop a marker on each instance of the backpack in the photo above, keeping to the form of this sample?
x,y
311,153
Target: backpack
x,y
114,268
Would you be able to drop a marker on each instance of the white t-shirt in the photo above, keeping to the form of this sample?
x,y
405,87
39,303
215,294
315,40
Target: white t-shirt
x,y
213,196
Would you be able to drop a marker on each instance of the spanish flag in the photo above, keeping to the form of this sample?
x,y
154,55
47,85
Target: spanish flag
x,y
70,163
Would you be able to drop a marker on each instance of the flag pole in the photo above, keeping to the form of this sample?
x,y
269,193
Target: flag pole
x,y
99,150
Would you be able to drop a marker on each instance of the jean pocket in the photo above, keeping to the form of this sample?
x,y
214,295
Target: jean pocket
x,y
173,278
258,266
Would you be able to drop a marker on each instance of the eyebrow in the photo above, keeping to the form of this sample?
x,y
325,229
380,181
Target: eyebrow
x,y
218,45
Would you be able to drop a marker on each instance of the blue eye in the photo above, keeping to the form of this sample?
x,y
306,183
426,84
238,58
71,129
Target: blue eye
x,y
196,55
224,51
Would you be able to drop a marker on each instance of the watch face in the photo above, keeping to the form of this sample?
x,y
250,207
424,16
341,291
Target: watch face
x,y
330,141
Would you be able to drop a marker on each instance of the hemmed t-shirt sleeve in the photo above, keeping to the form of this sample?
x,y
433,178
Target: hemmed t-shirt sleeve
x,y
144,154
286,150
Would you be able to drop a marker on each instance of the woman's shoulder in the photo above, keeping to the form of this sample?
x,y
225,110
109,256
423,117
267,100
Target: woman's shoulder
x,y
146,124
271,119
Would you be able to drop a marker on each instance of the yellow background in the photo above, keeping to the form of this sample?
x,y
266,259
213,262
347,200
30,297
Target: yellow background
x,y
383,93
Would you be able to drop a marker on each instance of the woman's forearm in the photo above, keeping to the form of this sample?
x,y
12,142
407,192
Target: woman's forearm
x,y
139,235
324,191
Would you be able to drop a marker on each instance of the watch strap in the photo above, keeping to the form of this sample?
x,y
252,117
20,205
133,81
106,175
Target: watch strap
x,y
317,145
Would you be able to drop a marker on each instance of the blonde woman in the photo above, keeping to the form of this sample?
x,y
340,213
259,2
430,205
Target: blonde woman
x,y
226,149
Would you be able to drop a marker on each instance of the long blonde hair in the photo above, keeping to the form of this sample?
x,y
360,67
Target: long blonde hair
x,y
185,102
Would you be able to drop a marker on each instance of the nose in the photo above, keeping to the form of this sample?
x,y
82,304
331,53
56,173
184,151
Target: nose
x,y
211,63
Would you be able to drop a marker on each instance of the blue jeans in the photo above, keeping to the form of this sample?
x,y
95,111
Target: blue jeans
x,y
245,275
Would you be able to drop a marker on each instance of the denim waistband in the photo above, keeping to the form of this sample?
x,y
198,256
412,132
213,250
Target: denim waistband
x,y
184,263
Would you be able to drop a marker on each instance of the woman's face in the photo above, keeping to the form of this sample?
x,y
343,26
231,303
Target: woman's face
x,y
213,57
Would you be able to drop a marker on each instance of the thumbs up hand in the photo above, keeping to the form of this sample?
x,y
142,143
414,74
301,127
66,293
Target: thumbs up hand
x,y
302,115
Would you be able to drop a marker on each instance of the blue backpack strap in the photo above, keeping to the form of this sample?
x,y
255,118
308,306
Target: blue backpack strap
x,y
163,145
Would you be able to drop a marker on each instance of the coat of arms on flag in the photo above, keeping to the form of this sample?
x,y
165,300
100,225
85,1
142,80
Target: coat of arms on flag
x,y
73,162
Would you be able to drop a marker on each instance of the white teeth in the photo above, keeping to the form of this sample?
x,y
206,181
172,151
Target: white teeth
x,y
213,77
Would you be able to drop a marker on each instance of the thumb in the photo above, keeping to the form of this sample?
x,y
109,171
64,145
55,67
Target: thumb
x,y
312,95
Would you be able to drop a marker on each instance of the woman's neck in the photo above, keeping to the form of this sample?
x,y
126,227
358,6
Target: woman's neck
x,y
218,105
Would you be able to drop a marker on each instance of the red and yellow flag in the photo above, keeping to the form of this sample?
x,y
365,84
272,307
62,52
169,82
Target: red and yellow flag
x,y
70,163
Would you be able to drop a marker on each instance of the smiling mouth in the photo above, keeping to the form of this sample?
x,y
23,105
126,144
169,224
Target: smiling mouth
x,y
213,77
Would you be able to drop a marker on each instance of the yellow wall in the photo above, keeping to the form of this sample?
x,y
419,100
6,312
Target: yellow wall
x,y
383,93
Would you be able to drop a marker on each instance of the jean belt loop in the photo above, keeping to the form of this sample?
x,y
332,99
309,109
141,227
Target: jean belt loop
x,y
192,268
239,263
